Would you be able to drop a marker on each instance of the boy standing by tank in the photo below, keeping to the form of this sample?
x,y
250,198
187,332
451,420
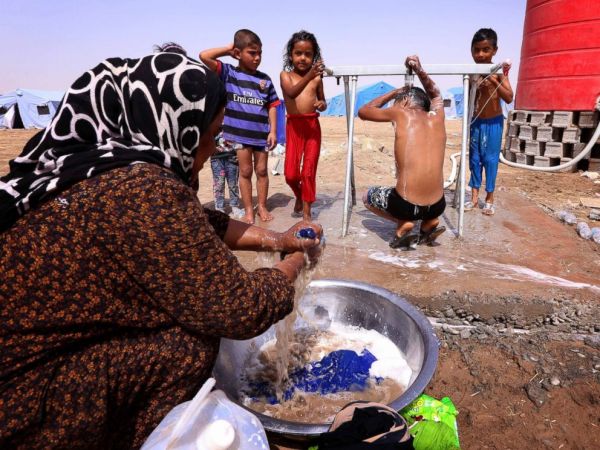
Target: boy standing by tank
x,y
303,93
250,114
419,147
486,128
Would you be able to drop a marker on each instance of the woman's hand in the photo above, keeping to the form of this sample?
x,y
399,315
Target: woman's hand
x,y
291,243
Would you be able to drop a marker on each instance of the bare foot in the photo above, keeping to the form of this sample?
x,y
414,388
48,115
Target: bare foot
x,y
298,205
248,218
264,214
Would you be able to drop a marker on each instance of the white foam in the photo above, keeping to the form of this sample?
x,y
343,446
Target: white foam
x,y
391,363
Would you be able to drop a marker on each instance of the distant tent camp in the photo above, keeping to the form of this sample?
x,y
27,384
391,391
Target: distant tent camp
x,y
454,102
336,106
28,108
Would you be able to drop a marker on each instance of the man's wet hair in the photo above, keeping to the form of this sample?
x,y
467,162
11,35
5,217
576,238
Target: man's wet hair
x,y
416,96
301,35
170,47
243,38
485,34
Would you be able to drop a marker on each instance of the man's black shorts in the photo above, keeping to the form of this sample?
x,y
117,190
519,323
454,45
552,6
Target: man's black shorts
x,y
388,200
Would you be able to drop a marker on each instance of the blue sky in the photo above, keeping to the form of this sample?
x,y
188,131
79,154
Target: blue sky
x,y
47,44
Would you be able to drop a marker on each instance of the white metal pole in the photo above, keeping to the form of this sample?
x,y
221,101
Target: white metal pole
x,y
347,98
349,160
463,154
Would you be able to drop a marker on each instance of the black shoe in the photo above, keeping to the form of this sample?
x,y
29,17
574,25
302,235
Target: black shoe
x,y
407,242
429,237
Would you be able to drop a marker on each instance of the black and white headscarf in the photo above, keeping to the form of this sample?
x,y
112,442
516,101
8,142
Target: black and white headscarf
x,y
121,112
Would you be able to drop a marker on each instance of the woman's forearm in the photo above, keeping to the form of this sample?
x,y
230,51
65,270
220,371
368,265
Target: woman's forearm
x,y
242,236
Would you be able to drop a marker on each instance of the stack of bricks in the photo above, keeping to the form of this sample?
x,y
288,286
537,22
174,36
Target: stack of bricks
x,y
547,139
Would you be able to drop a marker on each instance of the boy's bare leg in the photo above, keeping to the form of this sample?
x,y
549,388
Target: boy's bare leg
x,y
298,206
245,162
474,196
489,198
428,225
403,227
262,184
306,213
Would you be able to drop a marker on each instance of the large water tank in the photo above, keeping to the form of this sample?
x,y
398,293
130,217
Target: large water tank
x,y
560,56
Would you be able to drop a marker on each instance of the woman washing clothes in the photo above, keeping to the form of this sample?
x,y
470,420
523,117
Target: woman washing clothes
x,y
116,284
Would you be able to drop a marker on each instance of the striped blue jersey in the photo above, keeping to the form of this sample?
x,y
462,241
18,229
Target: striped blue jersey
x,y
249,97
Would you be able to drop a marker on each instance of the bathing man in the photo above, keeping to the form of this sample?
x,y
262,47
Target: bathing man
x,y
419,146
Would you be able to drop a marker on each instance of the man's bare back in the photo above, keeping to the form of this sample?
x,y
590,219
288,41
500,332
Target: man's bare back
x,y
419,146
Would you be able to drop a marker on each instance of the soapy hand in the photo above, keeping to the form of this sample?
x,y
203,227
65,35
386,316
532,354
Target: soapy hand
x,y
413,62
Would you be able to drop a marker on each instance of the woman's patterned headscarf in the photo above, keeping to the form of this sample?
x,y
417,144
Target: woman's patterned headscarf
x,y
121,112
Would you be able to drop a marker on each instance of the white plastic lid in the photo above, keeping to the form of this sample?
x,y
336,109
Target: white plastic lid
x,y
218,435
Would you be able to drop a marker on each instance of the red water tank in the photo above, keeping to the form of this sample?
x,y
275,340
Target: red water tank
x,y
560,56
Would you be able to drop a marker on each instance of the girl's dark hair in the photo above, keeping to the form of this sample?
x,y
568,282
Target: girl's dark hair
x,y
416,96
485,34
301,35
170,47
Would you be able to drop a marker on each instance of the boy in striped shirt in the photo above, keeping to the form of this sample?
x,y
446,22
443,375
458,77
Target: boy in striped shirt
x,y
250,114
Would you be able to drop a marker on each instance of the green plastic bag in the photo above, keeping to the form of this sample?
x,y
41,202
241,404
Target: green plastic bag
x,y
432,423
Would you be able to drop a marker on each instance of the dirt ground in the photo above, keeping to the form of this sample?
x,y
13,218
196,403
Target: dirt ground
x,y
514,302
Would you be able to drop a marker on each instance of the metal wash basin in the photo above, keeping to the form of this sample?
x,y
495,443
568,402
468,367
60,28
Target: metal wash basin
x,y
349,303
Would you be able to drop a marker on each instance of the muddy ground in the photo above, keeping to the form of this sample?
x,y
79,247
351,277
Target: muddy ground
x,y
514,302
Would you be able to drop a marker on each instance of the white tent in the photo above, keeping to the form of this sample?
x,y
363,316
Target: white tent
x,y
28,108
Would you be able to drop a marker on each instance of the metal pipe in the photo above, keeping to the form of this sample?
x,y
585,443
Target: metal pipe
x,y
463,155
349,161
431,69
347,99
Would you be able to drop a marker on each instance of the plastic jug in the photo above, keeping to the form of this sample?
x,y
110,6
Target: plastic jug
x,y
210,421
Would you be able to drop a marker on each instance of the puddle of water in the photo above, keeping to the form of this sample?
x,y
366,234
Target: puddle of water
x,y
486,268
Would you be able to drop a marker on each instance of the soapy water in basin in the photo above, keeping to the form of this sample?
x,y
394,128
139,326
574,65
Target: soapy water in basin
x,y
326,370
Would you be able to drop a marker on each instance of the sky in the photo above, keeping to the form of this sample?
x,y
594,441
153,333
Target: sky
x,y
48,44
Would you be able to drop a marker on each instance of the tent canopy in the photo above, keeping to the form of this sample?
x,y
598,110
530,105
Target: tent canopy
x,y
456,97
28,108
336,106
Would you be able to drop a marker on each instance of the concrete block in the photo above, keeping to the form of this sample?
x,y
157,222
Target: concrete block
x,y
571,135
576,149
513,129
594,165
555,149
511,156
515,144
541,161
544,134
527,132
588,119
521,158
557,134
539,117
569,169
520,116
535,148
562,119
